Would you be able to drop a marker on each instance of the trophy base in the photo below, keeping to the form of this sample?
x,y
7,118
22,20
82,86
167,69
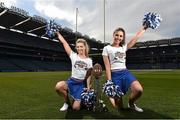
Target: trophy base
x,y
100,107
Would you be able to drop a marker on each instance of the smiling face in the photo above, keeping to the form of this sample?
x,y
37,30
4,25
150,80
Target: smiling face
x,y
119,37
80,47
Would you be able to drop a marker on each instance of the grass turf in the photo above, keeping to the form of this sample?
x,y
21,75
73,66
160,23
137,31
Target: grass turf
x,y
31,95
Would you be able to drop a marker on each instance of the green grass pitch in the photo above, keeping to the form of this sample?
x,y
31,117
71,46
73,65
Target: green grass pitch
x,y
31,95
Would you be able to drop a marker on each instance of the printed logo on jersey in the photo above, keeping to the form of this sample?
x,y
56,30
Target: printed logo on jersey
x,y
80,65
119,57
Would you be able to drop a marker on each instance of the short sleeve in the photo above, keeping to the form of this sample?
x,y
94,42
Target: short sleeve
x,y
125,47
72,55
90,63
105,51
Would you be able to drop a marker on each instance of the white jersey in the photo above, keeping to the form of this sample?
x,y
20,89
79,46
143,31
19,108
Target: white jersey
x,y
79,66
117,56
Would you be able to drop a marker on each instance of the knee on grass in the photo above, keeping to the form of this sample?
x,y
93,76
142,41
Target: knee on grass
x,y
76,107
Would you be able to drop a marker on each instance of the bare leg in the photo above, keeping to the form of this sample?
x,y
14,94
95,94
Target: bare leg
x,y
61,89
76,105
136,92
117,103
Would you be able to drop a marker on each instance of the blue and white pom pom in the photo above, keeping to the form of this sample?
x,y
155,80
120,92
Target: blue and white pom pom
x,y
118,91
88,98
112,90
152,20
51,29
109,89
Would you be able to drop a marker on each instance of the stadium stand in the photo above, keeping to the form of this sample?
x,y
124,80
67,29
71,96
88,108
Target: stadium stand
x,y
24,46
162,54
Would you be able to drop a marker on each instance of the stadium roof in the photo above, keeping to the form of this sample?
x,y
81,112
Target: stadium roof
x,y
157,43
17,19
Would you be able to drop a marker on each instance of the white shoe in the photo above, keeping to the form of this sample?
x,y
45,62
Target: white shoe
x,y
136,108
64,107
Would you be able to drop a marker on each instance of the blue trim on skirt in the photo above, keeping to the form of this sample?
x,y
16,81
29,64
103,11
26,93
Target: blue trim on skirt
x,y
123,78
75,88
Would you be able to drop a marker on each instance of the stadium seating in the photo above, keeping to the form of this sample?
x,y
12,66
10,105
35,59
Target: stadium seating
x,y
159,57
24,46
20,52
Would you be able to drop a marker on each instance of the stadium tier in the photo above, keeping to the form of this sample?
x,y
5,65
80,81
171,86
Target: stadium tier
x,y
156,57
24,46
